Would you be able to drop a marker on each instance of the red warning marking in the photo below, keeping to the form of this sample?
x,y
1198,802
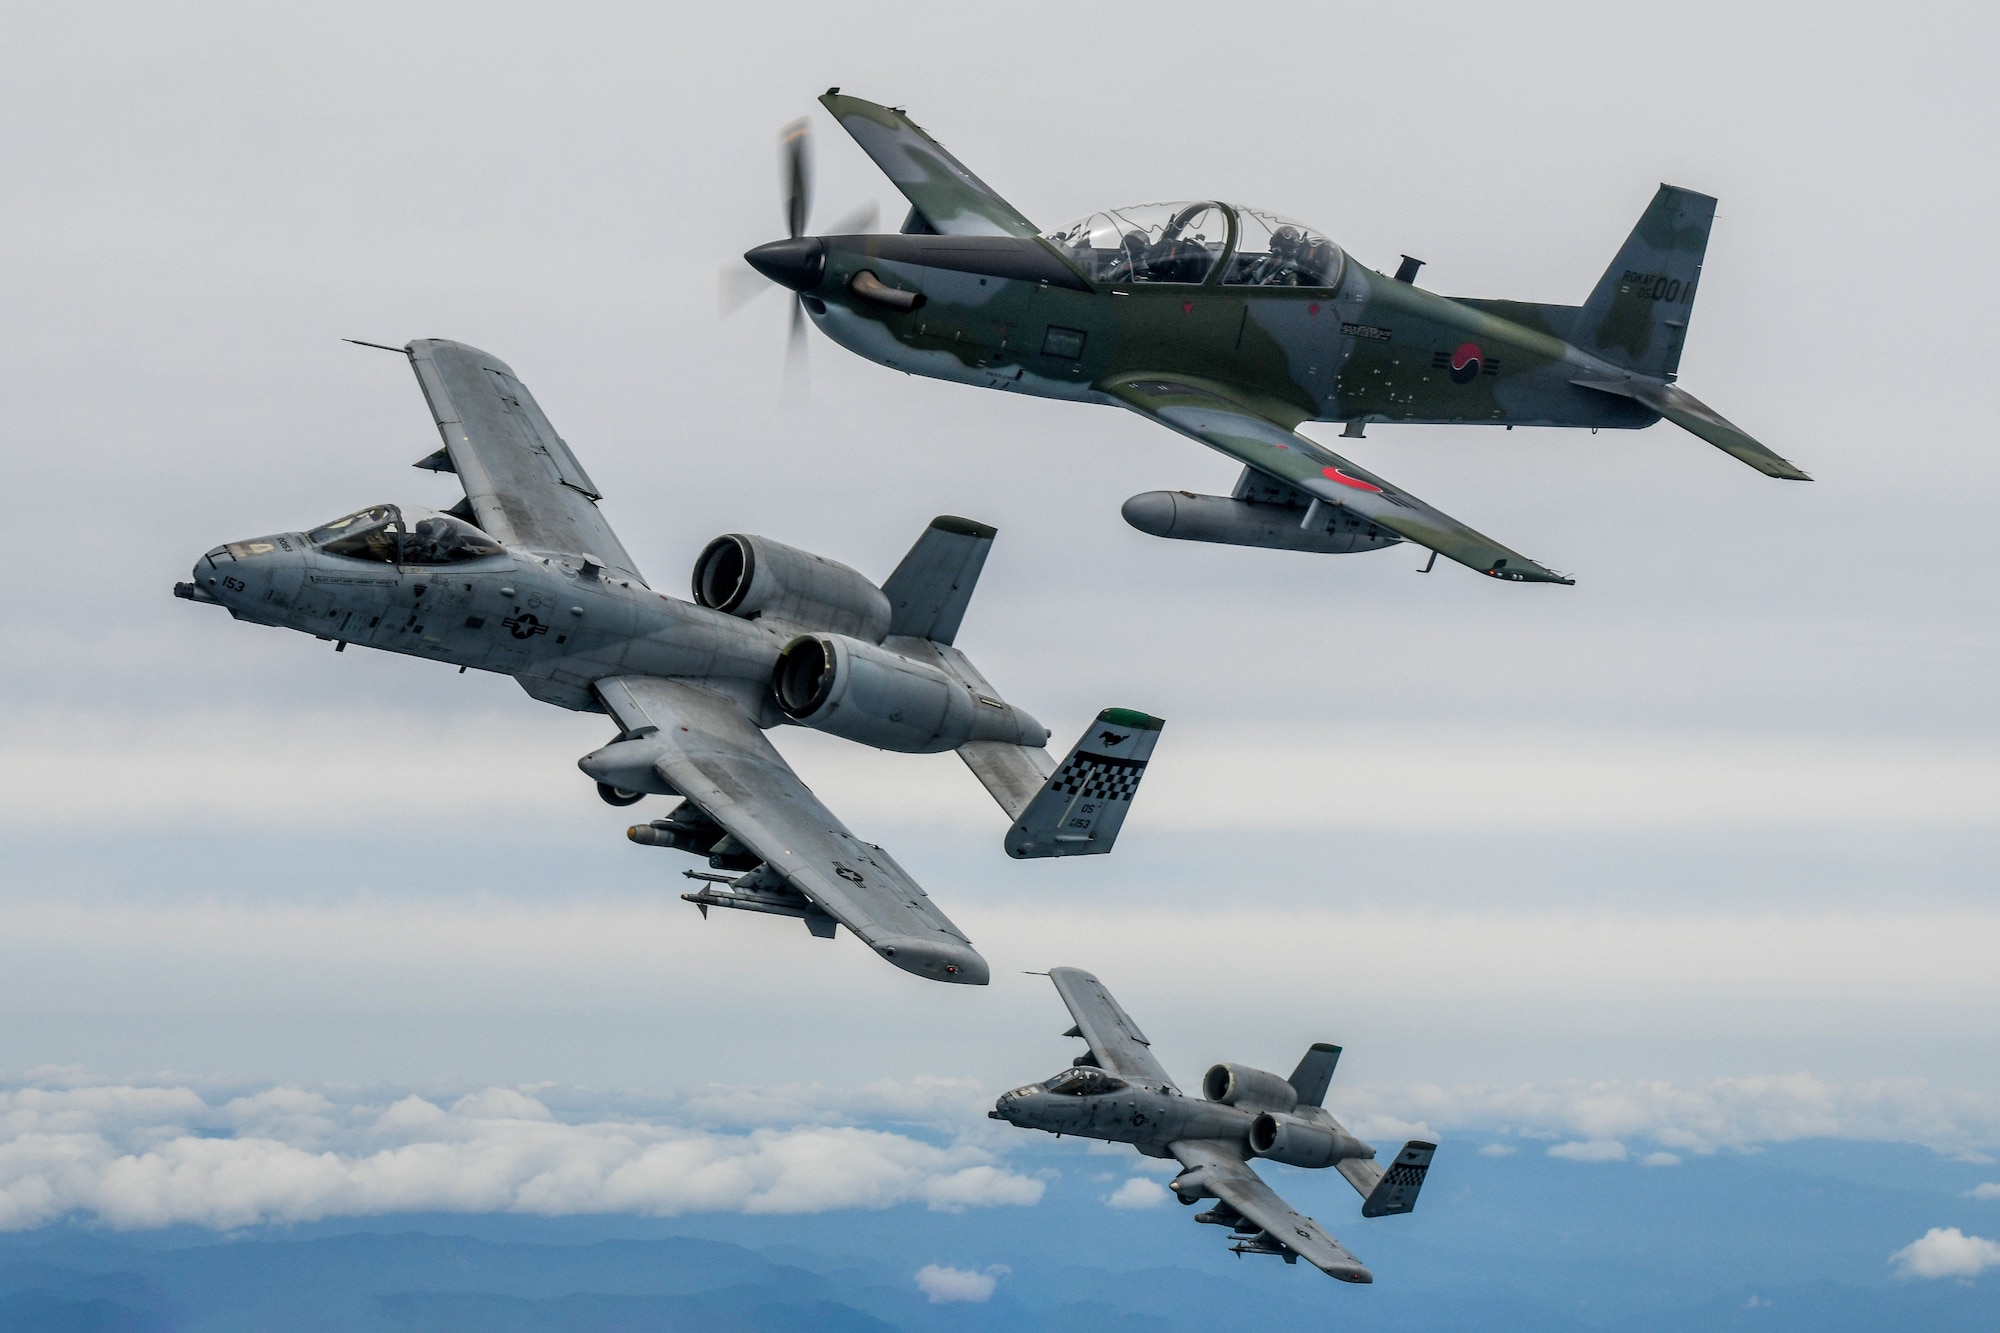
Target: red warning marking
x,y
1335,474
1187,307
1313,309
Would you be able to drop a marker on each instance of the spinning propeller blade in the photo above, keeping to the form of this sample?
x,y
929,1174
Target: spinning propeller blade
x,y
795,179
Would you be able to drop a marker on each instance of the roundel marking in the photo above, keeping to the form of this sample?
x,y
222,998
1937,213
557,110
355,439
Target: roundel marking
x,y
1465,363
1335,474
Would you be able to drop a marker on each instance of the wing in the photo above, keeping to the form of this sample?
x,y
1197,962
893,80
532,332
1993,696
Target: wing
x,y
524,485
1202,412
1216,1167
713,755
1114,1038
953,200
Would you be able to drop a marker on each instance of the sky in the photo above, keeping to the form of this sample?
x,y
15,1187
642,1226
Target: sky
x,y
1693,857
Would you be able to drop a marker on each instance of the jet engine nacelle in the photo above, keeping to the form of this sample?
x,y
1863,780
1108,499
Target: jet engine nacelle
x,y
866,693
1228,521
757,577
1251,1089
1300,1142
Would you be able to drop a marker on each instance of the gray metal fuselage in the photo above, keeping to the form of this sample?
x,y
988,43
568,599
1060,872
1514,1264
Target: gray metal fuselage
x,y
552,623
1146,1115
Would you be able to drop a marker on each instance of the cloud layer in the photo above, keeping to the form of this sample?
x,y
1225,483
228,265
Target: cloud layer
x,y
53,766
1596,1120
135,1156
138,1154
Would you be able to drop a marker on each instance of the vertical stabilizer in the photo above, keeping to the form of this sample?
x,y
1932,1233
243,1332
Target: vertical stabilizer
x,y
1315,1071
929,591
1083,804
1396,1191
1638,315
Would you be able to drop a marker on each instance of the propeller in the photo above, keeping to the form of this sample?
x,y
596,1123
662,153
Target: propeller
x,y
740,286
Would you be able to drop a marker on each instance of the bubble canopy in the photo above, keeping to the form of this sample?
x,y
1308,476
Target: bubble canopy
x,y
404,535
1185,243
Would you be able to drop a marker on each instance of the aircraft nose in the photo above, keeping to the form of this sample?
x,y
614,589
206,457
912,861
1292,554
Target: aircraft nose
x,y
207,580
797,263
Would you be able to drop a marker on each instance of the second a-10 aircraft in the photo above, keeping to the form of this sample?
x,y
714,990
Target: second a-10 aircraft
x,y
524,576
1232,326
1117,1092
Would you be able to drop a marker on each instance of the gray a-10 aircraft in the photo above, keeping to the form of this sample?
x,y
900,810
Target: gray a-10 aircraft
x,y
1119,1093
525,577
1231,326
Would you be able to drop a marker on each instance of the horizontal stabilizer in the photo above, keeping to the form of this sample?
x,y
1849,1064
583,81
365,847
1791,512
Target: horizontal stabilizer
x,y
1700,420
1080,809
1396,1192
1012,774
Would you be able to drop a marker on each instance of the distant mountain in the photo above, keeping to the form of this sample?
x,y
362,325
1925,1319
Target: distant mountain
x,y
1795,1239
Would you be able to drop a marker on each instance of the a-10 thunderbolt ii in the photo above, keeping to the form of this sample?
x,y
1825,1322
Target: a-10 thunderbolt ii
x,y
1232,325
1117,1091
525,577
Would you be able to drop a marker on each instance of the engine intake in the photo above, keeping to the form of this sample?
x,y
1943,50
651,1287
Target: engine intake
x,y
1251,1089
755,577
865,693
1299,1142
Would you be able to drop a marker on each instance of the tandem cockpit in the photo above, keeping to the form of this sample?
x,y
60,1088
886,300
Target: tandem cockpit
x,y
404,535
1196,242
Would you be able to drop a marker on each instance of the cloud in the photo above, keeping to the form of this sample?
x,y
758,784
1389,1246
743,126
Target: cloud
x,y
1695,1117
135,1157
944,1285
1989,1190
1498,1150
1590,1150
1946,1252
1138,1192
52,765
1660,1159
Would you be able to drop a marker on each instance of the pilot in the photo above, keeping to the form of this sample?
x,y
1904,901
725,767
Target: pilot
x,y
431,542
1132,258
1281,270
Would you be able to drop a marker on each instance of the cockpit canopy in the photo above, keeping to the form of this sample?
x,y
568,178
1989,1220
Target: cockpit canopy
x,y
1183,243
404,535
1083,1081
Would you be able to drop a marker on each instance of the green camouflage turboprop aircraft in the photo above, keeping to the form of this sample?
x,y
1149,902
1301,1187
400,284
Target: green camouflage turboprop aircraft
x,y
1232,325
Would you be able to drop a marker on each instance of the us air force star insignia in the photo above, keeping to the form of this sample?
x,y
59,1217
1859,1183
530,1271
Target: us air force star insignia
x,y
523,627
851,876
